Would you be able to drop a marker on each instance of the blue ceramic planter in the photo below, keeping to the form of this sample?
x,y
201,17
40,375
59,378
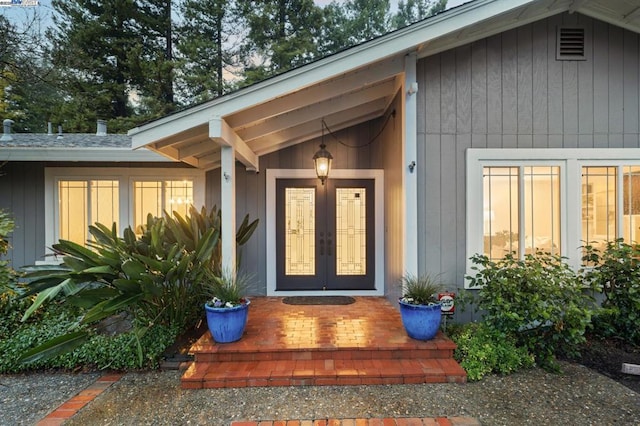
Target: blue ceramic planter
x,y
227,324
420,321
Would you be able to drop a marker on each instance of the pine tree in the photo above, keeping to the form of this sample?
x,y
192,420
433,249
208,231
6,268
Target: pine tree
x,y
206,43
283,34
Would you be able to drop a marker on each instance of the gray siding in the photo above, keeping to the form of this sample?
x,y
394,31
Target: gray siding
x,y
509,91
251,187
22,195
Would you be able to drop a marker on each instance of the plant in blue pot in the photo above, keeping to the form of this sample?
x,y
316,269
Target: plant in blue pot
x,y
419,306
227,307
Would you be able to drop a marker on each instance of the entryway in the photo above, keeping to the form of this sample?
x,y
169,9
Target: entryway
x,y
325,234
325,238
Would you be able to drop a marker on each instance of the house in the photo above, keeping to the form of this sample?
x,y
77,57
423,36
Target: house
x,y
496,126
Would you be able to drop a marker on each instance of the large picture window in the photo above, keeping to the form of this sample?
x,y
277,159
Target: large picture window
x,y
553,200
78,197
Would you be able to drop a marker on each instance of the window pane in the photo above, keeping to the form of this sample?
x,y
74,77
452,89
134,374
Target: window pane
x,y
300,231
351,231
105,202
178,196
72,199
500,209
599,215
83,203
541,210
631,204
156,197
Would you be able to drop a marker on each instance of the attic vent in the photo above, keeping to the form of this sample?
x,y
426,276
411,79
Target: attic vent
x,y
570,44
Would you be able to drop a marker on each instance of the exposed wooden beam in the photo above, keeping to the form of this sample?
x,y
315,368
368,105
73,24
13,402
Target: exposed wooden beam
x,y
318,110
635,13
190,135
196,149
310,130
325,90
171,152
223,134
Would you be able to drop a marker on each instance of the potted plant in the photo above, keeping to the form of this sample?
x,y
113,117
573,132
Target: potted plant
x,y
226,308
419,306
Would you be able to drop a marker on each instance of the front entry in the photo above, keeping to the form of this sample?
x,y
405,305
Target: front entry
x,y
325,234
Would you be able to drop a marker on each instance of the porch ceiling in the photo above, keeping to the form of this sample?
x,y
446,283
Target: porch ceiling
x,y
347,88
292,118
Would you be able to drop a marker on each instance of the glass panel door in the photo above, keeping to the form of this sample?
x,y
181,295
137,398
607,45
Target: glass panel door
x,y
325,234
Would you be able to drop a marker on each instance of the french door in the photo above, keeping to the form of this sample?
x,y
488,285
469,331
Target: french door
x,y
325,234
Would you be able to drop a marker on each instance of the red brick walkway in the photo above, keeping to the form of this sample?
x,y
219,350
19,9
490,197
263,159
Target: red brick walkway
x,y
76,403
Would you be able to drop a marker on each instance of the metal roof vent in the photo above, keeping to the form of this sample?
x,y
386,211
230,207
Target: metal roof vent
x,y
60,136
49,129
570,44
102,128
6,136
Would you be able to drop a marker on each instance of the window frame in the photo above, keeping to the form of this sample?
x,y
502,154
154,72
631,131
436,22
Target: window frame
x,y
125,177
570,161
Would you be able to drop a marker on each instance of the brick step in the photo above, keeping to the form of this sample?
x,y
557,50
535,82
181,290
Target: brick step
x,y
442,350
321,372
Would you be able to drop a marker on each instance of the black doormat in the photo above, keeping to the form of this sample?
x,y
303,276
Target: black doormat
x,y
318,300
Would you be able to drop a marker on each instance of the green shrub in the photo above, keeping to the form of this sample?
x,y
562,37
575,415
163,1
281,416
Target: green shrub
x,y
616,271
119,352
482,350
155,278
540,301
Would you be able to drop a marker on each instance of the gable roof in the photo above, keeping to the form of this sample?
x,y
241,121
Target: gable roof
x,y
347,88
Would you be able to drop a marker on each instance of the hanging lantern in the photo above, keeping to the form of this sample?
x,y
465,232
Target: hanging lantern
x,y
322,161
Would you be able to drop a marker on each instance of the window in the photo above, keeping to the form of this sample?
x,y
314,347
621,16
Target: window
x,y
85,202
521,210
160,196
554,200
78,197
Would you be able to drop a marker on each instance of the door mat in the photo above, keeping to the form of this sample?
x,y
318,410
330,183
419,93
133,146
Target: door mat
x,y
318,300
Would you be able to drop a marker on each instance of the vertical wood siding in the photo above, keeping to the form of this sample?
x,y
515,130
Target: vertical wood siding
x,y
509,91
251,187
22,195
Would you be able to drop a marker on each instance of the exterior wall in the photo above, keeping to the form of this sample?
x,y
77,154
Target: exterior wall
x,y
509,91
22,195
251,187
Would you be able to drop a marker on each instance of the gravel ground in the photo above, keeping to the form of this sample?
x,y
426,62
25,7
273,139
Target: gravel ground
x,y
27,398
579,397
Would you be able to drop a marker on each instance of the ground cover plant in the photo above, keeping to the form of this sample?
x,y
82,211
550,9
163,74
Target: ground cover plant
x,y
153,278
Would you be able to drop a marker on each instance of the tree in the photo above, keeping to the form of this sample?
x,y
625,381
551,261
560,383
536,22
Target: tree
x,y
154,67
411,11
206,43
27,92
352,22
110,53
281,35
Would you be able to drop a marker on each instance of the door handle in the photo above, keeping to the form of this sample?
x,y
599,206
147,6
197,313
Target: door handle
x,y
321,244
329,244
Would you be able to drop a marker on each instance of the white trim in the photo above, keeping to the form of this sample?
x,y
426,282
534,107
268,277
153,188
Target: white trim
x,y
82,154
272,175
570,162
125,176
409,172
228,208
